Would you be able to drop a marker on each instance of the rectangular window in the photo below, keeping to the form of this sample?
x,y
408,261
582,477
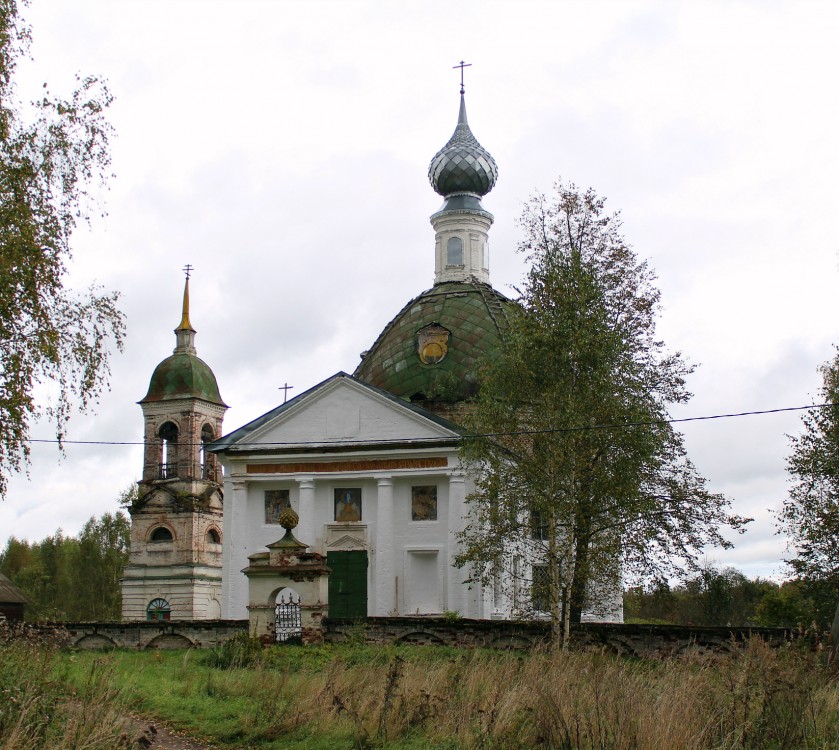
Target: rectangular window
x,y
275,502
424,503
347,504
538,527
540,588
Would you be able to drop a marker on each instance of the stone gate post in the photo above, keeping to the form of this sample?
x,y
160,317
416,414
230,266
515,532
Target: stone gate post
x,y
287,566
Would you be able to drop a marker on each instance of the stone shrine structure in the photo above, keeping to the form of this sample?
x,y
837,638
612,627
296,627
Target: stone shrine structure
x,y
287,579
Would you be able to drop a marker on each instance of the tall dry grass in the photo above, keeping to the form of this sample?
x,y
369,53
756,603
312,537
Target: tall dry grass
x,y
759,698
37,710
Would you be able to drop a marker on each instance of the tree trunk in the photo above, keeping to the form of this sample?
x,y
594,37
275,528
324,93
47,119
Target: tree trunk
x,y
558,634
580,579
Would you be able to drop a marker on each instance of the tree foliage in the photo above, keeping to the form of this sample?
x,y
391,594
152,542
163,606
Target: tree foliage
x,y
724,596
48,334
72,578
810,513
577,468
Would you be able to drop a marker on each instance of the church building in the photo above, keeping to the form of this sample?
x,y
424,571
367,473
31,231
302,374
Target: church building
x,y
369,461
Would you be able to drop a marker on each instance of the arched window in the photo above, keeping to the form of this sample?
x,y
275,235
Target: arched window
x,y
454,251
213,537
158,609
168,434
207,459
161,534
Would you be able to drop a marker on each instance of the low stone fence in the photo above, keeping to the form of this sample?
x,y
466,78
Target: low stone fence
x,y
166,634
649,641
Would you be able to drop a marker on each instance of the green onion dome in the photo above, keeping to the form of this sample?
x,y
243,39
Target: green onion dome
x,y
463,165
181,376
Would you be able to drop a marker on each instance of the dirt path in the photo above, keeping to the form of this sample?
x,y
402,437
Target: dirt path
x,y
150,734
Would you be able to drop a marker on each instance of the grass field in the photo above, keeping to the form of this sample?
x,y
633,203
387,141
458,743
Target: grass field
x,y
403,698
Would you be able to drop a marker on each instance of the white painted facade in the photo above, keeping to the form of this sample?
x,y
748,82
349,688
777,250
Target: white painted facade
x,y
344,433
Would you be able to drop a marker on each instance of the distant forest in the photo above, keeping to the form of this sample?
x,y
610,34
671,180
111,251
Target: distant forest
x,y
724,596
72,577
78,578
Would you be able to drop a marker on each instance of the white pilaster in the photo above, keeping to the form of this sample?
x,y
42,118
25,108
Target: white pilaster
x,y
235,553
456,599
306,531
385,582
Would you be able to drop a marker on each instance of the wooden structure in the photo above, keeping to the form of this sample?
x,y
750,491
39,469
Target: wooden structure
x,y
12,601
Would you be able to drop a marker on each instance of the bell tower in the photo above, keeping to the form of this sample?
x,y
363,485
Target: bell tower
x,y
174,568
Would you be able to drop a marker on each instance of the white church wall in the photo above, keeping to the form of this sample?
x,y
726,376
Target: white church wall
x,y
424,571
391,577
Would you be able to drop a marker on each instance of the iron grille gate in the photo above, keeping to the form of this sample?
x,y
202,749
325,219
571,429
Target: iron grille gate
x,y
287,622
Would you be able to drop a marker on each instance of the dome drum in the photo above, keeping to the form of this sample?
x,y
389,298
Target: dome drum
x,y
472,229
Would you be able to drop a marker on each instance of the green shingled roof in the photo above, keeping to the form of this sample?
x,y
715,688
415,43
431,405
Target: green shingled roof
x,y
474,314
180,376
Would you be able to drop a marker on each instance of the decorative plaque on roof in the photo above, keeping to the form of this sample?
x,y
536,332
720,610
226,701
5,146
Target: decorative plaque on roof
x,y
432,343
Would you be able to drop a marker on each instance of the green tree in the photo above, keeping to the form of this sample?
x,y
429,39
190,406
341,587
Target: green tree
x,y
579,474
44,572
48,334
810,513
102,554
785,606
72,578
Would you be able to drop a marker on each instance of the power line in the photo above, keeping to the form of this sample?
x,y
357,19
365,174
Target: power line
x,y
554,430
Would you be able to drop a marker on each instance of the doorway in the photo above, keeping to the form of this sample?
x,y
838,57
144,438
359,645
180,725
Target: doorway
x,y
347,584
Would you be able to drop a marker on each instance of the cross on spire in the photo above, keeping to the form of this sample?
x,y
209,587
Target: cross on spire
x,y
462,66
187,269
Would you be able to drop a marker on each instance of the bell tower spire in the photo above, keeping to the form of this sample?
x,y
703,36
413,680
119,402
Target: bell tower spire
x,y
185,333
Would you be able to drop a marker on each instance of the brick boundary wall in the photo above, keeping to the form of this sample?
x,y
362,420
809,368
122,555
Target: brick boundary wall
x,y
648,641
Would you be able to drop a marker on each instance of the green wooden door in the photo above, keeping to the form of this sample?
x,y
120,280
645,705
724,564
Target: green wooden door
x,y
347,583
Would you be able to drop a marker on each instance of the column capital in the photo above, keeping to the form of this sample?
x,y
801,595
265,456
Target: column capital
x,y
384,480
306,483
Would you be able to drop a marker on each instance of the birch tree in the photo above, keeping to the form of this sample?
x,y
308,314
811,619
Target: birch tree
x,y
579,474
810,514
51,339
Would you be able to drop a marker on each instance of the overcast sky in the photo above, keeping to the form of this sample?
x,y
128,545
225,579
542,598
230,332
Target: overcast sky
x,y
282,149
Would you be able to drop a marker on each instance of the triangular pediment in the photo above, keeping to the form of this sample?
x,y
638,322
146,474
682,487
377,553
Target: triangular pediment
x,y
339,411
346,542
